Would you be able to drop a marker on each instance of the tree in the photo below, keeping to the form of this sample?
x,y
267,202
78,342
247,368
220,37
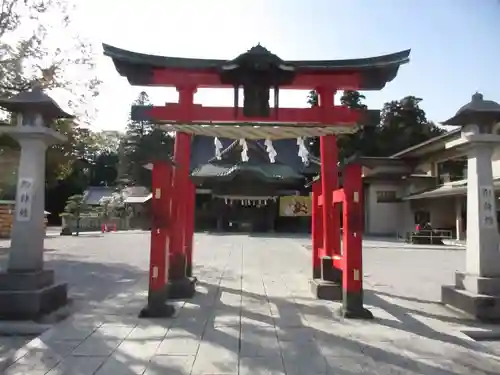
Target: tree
x,y
114,206
104,170
39,43
108,141
9,160
142,144
100,155
312,98
347,144
64,159
75,207
403,124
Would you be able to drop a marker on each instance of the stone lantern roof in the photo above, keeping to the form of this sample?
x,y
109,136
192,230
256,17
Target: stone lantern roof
x,y
34,100
478,111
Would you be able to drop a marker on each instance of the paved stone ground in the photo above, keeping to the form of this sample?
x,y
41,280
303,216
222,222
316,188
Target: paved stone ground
x,y
253,314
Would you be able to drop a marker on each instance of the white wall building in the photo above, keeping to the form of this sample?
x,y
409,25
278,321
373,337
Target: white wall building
x,y
426,182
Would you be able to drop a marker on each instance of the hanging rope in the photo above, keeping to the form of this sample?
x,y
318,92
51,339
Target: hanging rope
x,y
218,148
303,152
244,151
270,150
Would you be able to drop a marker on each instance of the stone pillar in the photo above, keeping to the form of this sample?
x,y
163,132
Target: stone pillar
x,y
459,222
482,257
26,253
27,291
477,290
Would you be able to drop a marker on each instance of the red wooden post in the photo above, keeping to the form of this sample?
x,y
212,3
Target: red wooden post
x,y
158,268
329,180
180,286
189,233
158,272
316,229
181,176
182,155
328,150
352,275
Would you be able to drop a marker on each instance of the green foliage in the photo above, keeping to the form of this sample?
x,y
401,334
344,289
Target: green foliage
x,y
75,208
104,211
403,124
362,140
113,207
39,42
142,144
28,30
9,160
312,98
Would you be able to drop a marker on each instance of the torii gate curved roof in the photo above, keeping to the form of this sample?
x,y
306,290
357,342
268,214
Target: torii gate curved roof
x,y
375,72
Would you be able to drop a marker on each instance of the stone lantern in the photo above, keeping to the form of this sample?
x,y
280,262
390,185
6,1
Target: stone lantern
x,y
477,290
27,291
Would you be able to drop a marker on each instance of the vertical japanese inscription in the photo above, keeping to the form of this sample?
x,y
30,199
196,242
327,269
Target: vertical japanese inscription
x,y
487,212
25,198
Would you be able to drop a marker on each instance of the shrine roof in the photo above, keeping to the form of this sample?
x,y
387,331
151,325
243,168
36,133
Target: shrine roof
x,y
204,164
376,71
277,172
203,152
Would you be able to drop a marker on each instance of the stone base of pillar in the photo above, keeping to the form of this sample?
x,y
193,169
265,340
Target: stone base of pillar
x,y
329,285
316,273
327,290
157,311
189,271
478,297
181,288
352,306
30,295
157,306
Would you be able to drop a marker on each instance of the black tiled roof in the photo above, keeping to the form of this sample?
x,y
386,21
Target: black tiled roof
x,y
204,164
375,71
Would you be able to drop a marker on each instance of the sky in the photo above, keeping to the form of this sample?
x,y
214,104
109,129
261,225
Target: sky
x,y
455,44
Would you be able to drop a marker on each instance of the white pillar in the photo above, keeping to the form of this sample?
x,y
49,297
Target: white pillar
x,y
459,222
28,230
482,255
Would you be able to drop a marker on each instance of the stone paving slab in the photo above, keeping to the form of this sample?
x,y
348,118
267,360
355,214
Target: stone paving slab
x,y
253,314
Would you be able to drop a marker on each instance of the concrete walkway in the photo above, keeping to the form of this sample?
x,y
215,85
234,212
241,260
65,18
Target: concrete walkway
x,y
253,314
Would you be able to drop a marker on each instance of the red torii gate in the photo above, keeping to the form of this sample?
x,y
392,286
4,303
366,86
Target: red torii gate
x,y
336,273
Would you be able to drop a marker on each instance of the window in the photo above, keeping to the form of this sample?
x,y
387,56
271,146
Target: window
x,y
451,170
386,196
422,217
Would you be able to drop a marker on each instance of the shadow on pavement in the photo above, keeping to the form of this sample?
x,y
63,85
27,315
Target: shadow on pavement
x,y
245,332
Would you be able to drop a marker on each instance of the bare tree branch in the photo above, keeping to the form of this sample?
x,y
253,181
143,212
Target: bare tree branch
x,y
38,43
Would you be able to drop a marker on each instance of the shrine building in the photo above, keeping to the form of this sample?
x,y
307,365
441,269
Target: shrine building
x,y
253,196
424,183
